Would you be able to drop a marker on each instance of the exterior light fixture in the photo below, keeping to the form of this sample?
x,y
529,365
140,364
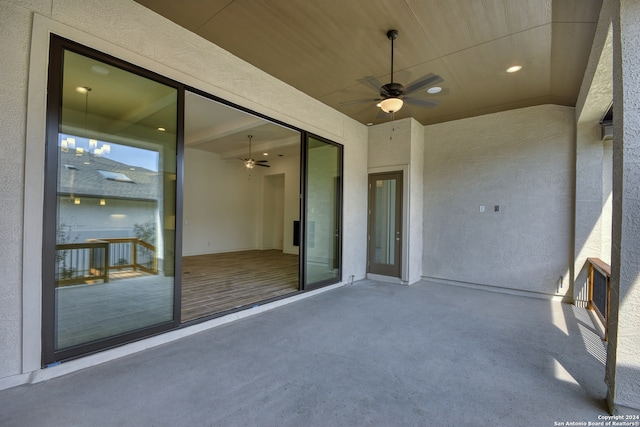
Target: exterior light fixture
x,y
391,105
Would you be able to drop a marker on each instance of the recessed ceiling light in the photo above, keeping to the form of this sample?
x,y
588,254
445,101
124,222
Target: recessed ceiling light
x,y
99,69
514,69
265,154
369,124
161,129
435,89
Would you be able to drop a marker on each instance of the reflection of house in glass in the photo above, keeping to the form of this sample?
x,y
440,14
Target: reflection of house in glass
x,y
107,211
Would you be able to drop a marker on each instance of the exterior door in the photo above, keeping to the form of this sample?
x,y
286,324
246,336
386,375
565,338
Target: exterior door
x,y
385,224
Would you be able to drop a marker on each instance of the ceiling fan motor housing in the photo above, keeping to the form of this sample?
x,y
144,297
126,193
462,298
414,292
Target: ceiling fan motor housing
x,y
392,90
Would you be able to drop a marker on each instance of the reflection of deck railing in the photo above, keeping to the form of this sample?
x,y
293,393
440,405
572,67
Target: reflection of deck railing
x,y
599,290
86,262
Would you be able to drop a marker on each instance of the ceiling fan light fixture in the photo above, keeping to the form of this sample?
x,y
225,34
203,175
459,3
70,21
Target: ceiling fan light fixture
x,y
250,164
391,105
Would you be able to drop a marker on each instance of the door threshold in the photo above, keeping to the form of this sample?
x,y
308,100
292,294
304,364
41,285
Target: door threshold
x,y
387,279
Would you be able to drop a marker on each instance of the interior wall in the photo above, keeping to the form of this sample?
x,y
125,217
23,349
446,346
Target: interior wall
x,y
131,32
273,217
289,167
220,205
521,161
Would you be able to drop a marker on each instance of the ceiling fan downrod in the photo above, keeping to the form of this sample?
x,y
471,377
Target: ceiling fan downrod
x,y
392,35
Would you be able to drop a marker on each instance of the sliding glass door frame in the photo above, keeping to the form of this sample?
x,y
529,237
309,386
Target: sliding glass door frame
x,y
50,355
338,214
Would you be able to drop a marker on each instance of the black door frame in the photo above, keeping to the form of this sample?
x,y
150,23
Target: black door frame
x,y
54,102
58,45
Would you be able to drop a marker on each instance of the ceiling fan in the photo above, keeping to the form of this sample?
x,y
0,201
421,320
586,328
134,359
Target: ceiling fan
x,y
250,162
393,95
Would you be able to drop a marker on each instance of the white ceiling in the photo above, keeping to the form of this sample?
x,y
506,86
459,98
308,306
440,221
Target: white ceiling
x,y
220,129
323,47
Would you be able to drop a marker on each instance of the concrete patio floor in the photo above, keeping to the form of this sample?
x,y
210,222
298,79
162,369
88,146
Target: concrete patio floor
x,y
364,354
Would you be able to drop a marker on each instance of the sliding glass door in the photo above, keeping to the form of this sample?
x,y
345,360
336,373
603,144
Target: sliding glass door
x,y
323,218
113,203
110,207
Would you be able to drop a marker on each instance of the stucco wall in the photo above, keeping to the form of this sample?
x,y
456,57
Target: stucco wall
x,y
399,146
15,29
521,161
128,31
623,363
592,234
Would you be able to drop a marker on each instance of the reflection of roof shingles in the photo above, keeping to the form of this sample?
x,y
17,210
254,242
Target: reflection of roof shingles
x,y
81,179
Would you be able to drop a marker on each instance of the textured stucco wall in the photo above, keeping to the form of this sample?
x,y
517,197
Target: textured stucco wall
x,y
592,229
416,202
623,362
520,160
128,31
15,30
399,146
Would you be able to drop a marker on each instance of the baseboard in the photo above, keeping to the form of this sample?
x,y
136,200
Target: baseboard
x,y
499,289
14,381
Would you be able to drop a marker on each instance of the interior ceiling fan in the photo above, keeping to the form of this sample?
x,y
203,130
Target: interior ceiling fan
x,y
250,162
393,95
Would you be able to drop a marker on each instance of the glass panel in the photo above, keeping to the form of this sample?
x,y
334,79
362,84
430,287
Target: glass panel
x,y
116,185
238,241
323,212
385,221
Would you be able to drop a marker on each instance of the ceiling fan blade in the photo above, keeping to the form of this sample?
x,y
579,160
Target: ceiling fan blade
x,y
263,165
428,80
426,103
372,82
261,161
359,101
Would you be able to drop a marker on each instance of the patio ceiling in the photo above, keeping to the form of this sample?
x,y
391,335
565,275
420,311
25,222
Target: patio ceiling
x,y
324,47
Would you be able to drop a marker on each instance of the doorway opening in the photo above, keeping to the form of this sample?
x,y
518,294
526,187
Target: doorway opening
x,y
241,201
385,224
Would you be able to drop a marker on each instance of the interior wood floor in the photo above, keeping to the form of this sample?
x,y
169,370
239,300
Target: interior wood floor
x,y
217,282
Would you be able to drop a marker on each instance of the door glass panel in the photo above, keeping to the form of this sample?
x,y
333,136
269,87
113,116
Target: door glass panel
x,y
116,199
385,221
322,243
